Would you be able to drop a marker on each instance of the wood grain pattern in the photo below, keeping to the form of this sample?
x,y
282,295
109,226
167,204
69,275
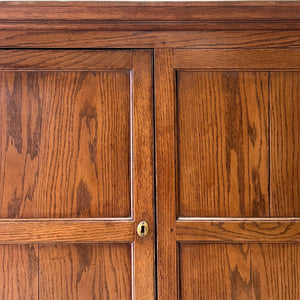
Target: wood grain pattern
x,y
153,16
65,60
237,230
276,271
165,174
262,59
255,10
19,272
65,230
242,271
143,157
156,26
224,99
285,143
236,39
65,144
84,271
76,128
222,144
215,271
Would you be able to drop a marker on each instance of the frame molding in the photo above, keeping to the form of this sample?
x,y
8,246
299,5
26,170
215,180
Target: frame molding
x,y
132,25
128,16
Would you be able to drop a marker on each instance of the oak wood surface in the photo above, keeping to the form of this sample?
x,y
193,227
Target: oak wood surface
x,y
222,144
215,271
143,170
71,121
195,85
266,230
165,174
235,39
65,144
19,272
285,144
67,230
234,36
65,60
239,271
109,10
151,16
275,269
249,59
34,103
76,271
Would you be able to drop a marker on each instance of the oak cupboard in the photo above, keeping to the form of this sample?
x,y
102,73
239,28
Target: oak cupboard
x,y
150,150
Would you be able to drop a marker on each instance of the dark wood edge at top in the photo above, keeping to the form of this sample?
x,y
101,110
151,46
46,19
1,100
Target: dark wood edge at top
x,y
150,15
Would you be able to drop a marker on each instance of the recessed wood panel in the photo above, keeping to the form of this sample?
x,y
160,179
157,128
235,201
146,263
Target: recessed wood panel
x,y
222,144
82,271
19,272
285,143
240,271
215,271
276,271
65,144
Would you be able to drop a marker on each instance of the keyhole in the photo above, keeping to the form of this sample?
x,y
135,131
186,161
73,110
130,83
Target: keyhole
x,y
142,229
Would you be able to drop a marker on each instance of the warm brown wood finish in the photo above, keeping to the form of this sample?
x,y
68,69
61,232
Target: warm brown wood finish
x,y
143,180
285,143
92,178
225,121
65,230
19,272
275,271
240,271
66,271
223,160
165,175
151,16
66,60
93,275
215,271
79,132
148,39
76,166
237,59
237,230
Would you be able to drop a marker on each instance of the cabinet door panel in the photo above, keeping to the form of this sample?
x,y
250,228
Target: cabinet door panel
x,y
93,273
76,172
222,144
66,144
227,135
239,271
19,272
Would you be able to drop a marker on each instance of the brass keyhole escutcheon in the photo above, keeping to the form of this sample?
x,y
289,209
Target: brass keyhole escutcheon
x,y
142,229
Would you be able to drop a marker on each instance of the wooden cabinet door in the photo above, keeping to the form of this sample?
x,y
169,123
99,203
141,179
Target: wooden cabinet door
x,y
76,174
228,173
